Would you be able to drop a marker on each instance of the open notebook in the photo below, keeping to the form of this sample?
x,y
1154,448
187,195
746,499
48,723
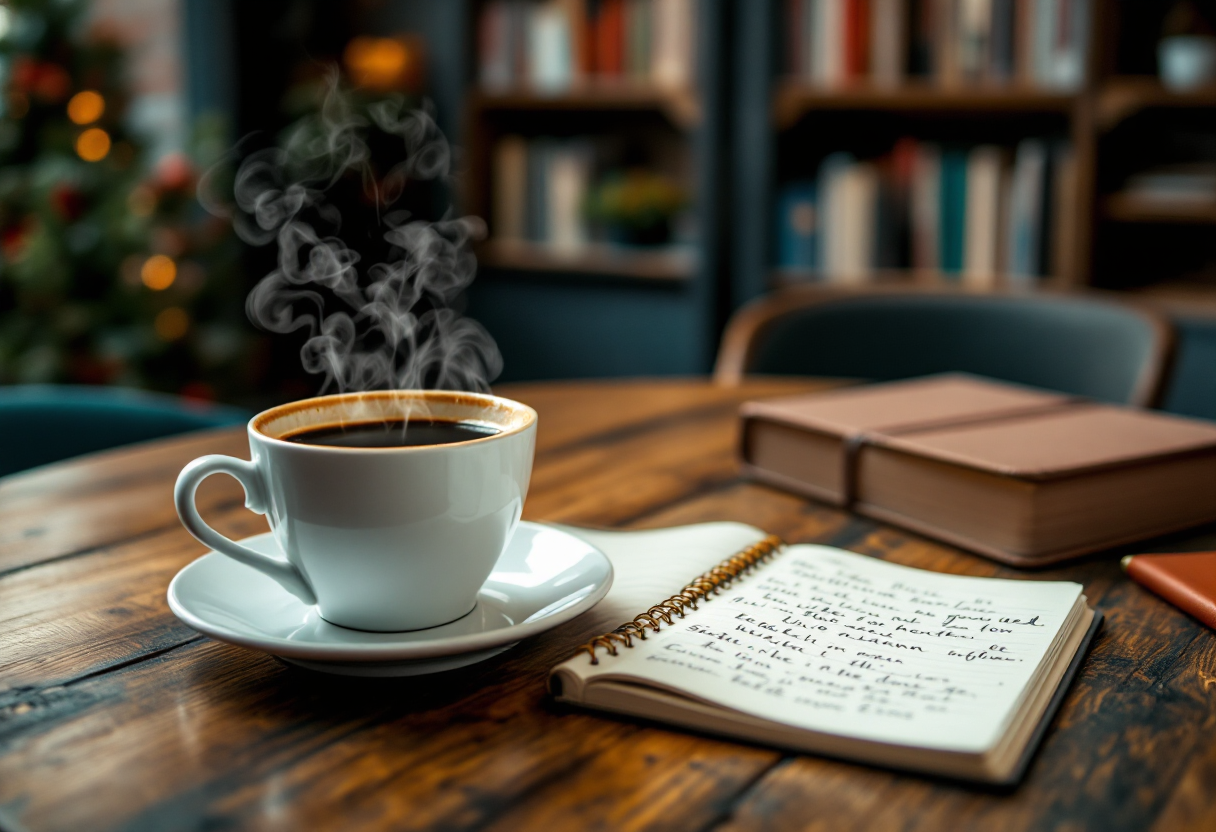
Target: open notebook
x,y
818,649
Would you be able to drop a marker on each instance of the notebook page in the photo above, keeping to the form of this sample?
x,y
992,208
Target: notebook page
x,y
837,642
653,564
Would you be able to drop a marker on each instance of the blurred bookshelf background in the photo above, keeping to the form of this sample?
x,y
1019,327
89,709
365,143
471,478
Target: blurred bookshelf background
x,y
645,167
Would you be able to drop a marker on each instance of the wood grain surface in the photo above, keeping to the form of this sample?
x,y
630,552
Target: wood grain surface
x,y
115,715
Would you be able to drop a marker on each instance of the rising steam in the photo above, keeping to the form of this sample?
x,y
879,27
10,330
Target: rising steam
x,y
389,324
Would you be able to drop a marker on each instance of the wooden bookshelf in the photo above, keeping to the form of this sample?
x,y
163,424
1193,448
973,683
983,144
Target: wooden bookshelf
x,y
1098,118
605,308
793,99
1127,208
670,264
1187,298
681,107
1122,97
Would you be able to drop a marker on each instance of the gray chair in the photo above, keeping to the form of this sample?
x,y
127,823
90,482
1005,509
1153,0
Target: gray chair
x,y
1088,346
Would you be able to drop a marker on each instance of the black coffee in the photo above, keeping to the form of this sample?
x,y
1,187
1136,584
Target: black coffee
x,y
399,433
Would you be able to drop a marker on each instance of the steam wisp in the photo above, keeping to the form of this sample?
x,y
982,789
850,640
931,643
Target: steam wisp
x,y
387,325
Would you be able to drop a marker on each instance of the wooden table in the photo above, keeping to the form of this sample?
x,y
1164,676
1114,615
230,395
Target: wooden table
x,y
114,715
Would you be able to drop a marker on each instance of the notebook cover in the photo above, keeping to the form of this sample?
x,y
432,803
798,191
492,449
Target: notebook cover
x,y
1186,579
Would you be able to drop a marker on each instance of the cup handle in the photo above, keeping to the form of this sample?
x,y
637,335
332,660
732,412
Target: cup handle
x,y
246,473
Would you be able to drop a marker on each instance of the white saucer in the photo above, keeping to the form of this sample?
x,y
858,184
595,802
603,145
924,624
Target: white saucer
x,y
545,577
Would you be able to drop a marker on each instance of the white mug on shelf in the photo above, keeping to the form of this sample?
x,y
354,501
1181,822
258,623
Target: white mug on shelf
x,y
1186,62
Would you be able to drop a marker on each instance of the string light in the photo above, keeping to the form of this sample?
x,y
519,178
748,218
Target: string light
x,y
158,272
85,107
171,324
93,144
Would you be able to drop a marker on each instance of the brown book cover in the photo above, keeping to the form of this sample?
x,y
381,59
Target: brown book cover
x,y
1020,475
1185,579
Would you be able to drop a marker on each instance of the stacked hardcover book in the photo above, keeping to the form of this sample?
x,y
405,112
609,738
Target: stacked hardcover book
x,y
1020,475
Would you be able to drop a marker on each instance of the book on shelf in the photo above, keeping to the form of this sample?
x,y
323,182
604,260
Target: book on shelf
x,y
969,213
1184,184
925,199
982,225
541,196
538,190
836,43
798,226
729,631
850,194
509,198
1023,476
554,46
1027,211
953,209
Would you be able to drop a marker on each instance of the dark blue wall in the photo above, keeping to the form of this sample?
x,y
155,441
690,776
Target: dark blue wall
x,y
569,326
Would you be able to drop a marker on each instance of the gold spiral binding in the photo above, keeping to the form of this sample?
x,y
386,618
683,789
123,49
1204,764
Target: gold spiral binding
x,y
700,589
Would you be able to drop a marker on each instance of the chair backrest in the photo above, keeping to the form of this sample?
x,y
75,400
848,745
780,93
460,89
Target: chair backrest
x,y
1191,390
1087,346
40,424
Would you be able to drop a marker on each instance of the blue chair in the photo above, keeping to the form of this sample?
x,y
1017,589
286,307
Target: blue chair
x,y
1088,346
46,423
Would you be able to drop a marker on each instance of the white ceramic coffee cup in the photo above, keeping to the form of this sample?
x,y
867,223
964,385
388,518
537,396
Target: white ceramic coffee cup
x,y
381,539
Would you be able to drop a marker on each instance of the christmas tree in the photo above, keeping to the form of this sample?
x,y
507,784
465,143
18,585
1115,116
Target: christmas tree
x,y
109,272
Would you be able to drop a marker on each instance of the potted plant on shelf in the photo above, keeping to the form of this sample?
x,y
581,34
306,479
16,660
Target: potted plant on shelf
x,y
636,207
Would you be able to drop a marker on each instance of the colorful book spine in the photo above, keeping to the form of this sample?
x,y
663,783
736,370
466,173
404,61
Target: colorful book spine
x,y
925,198
798,227
557,45
509,198
539,189
974,214
1026,212
834,43
953,210
982,222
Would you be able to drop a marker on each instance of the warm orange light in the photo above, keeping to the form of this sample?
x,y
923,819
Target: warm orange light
x,y
93,144
171,324
158,272
378,63
85,107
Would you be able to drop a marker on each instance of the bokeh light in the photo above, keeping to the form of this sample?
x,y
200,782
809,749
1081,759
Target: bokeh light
x,y
158,272
85,107
378,63
93,144
171,324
